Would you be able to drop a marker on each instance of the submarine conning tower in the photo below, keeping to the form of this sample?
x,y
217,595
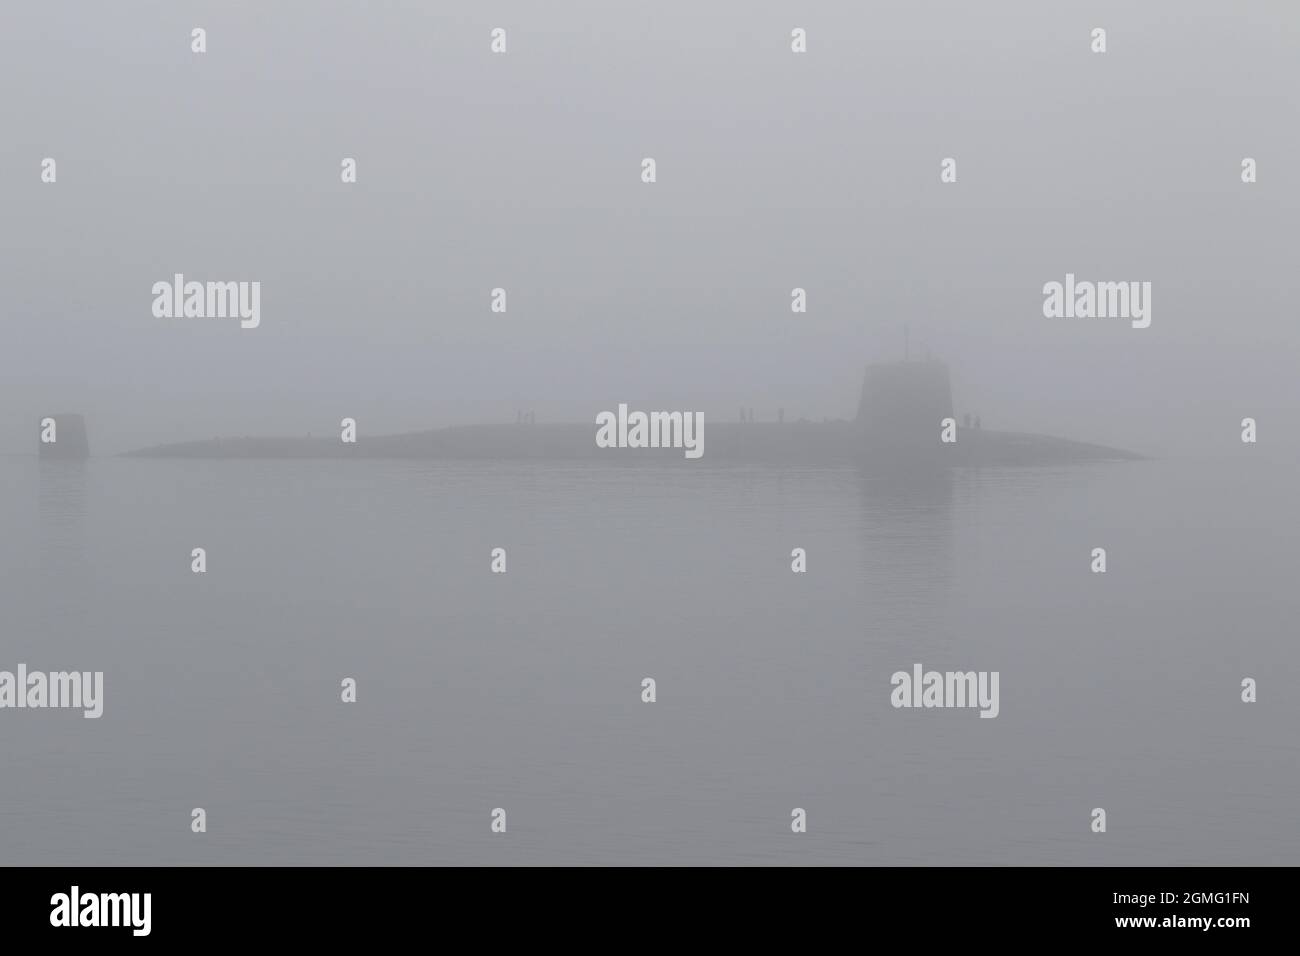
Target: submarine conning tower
x,y
70,440
899,414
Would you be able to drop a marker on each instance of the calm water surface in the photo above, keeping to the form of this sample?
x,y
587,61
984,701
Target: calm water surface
x,y
522,690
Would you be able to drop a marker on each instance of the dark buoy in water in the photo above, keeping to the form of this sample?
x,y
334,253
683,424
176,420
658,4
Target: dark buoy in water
x,y
63,436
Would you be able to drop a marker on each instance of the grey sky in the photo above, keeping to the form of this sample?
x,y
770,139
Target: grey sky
x,y
522,171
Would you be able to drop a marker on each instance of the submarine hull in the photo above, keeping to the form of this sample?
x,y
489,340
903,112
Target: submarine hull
x,y
898,428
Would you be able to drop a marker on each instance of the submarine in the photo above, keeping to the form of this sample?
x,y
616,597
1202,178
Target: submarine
x,y
904,410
